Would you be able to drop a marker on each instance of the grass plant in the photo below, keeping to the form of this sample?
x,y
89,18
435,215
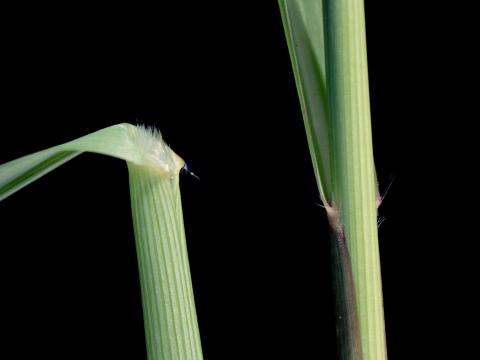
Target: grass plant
x,y
327,45
170,320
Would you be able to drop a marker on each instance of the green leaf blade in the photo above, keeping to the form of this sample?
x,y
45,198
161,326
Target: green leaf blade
x,y
304,32
28,169
123,141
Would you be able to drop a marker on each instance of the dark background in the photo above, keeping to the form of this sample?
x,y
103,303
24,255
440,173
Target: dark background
x,y
216,79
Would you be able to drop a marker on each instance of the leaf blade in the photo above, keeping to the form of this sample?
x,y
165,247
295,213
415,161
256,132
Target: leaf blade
x,y
123,141
303,25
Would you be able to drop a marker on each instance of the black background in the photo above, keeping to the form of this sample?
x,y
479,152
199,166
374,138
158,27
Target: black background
x,y
216,79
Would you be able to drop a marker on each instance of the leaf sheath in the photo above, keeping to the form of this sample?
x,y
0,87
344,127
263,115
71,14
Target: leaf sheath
x,y
169,311
354,184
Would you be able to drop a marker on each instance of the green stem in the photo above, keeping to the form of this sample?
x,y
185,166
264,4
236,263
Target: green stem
x,y
354,185
171,327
